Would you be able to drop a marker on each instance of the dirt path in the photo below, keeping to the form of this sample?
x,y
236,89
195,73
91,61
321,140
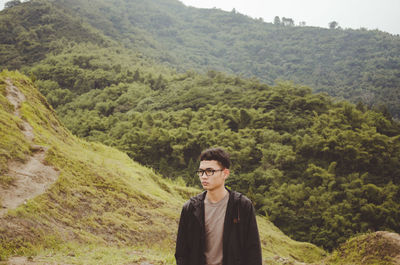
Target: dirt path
x,y
31,178
19,261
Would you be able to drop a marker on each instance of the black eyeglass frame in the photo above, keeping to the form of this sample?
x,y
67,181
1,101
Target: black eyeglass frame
x,y
210,173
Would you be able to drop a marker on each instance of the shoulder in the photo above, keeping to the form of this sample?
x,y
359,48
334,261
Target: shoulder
x,y
193,202
186,206
242,200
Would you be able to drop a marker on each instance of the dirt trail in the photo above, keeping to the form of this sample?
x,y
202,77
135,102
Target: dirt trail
x,y
31,178
19,261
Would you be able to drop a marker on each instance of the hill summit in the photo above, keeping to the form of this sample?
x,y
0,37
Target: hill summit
x,y
374,248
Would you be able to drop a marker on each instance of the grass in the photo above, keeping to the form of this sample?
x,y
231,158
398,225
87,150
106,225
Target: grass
x,y
72,253
104,208
276,243
101,198
6,181
370,249
12,141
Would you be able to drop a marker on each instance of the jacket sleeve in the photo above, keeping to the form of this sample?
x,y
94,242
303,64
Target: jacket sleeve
x,y
252,243
181,250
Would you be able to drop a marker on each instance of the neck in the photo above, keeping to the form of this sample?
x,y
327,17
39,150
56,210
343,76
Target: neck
x,y
217,194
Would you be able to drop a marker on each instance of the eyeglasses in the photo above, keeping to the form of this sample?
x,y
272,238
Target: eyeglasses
x,y
208,171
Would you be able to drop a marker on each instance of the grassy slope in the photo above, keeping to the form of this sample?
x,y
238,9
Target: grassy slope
x,y
104,208
373,248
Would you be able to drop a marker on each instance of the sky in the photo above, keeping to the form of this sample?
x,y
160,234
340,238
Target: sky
x,y
371,14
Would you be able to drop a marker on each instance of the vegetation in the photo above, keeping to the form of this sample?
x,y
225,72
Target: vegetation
x,y
291,149
322,170
359,65
6,180
9,134
103,207
373,248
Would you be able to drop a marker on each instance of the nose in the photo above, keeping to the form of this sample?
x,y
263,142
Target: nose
x,y
204,175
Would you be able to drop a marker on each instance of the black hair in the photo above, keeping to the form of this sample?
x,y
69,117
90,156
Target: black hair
x,y
217,154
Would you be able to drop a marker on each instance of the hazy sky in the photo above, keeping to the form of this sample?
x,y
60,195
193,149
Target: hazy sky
x,y
370,14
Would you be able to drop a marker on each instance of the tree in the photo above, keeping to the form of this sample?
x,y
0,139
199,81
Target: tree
x,y
333,25
287,21
12,3
277,20
302,23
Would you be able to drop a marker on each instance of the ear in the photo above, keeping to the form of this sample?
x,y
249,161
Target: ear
x,y
226,173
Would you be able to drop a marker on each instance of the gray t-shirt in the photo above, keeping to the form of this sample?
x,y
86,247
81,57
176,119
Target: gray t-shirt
x,y
214,215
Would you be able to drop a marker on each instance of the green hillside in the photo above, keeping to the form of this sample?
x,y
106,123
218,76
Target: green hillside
x,y
373,248
29,31
283,139
103,208
358,65
322,170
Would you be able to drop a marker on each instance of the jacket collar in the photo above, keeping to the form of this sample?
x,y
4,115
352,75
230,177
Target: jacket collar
x,y
198,206
231,217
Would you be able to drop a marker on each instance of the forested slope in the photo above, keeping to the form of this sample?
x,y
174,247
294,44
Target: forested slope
x,y
291,149
359,65
321,170
104,208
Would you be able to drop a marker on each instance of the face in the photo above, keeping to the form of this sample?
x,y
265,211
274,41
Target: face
x,y
216,181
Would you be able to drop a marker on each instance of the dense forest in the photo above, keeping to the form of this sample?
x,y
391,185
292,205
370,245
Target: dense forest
x,y
359,65
321,169
291,150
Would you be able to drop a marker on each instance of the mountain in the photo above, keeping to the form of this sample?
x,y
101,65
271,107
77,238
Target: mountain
x,y
31,30
359,65
66,200
322,170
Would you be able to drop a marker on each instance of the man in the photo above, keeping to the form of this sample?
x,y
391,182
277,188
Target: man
x,y
218,226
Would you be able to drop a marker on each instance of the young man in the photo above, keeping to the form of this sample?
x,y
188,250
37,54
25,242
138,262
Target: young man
x,y
218,226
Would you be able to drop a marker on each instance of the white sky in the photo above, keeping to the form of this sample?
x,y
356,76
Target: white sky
x,y
371,14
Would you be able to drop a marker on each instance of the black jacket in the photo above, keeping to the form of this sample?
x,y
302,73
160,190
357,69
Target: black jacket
x,y
241,241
